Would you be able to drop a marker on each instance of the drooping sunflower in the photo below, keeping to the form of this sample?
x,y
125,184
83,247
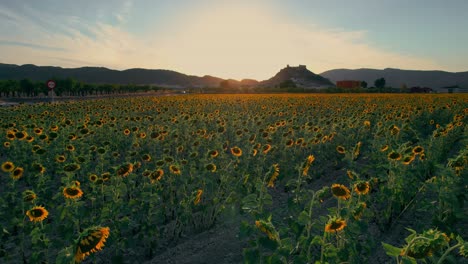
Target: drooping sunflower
x,y
362,187
341,149
8,166
198,197
72,192
335,225
267,228
29,196
394,156
17,173
91,240
37,214
274,175
236,151
174,169
340,191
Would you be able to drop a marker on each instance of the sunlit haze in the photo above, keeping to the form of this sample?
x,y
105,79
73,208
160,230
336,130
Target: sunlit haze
x,y
235,39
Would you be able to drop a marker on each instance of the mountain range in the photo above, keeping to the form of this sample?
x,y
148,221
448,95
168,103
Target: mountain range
x,y
300,76
398,78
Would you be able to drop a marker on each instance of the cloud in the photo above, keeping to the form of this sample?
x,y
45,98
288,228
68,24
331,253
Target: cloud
x,y
229,41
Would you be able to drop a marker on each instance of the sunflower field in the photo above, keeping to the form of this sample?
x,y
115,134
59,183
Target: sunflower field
x,y
306,178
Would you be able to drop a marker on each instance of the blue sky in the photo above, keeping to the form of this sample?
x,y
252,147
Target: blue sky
x,y
236,39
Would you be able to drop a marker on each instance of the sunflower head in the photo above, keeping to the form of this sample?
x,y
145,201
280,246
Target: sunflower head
x,y
8,166
236,151
335,225
125,169
341,149
72,192
17,173
29,196
213,153
37,214
418,150
211,167
362,187
91,240
340,191
394,156
174,169
156,175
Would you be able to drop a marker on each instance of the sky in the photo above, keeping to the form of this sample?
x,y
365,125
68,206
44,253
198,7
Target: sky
x,y
236,39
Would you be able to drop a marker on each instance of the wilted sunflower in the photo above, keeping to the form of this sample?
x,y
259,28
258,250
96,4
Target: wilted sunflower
x,y
335,225
17,173
340,191
29,196
394,156
72,192
37,214
362,187
236,151
211,167
174,169
341,150
8,166
90,241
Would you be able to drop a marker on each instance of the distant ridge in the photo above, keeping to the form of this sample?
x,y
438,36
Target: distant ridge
x,y
397,78
301,77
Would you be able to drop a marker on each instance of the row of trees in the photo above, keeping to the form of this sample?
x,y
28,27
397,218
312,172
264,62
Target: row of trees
x,y
66,87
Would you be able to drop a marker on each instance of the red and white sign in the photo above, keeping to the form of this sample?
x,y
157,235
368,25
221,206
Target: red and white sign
x,y
51,84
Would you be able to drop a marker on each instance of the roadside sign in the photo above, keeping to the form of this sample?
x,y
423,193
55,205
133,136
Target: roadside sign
x,y
51,85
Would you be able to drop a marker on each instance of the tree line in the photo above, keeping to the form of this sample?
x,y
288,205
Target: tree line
x,y
67,87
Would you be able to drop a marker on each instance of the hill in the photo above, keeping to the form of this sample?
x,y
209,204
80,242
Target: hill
x,y
397,78
300,75
165,78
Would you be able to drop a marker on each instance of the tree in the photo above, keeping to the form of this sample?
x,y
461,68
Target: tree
x,y
288,84
379,83
364,84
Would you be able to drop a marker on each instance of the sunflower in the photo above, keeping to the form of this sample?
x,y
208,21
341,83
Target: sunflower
x,y
394,156
17,173
72,192
254,152
37,214
106,176
156,175
125,170
146,157
198,197
93,177
213,153
29,196
236,151
341,150
384,148
90,241
60,158
289,143
6,144
362,187
266,148
71,167
408,159
54,128
20,135
367,123
268,229
271,182
340,191
418,150
211,167
335,225
38,168
126,132
174,169
29,139
8,166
